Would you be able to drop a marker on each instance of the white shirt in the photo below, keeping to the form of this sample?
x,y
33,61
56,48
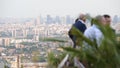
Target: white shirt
x,y
94,33
81,21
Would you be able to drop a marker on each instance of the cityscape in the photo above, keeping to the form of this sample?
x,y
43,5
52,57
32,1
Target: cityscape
x,y
24,42
38,34
21,39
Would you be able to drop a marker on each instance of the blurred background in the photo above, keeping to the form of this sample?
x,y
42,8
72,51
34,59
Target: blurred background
x,y
30,29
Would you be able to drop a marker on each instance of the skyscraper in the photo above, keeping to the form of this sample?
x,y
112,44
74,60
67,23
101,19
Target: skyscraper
x,y
6,41
24,33
13,33
49,19
57,19
38,20
115,19
69,20
36,38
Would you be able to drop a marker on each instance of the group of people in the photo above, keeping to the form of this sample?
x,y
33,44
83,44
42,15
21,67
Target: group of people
x,y
93,32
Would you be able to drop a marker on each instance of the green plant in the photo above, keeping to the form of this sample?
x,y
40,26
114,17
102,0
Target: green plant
x,y
54,59
35,57
22,66
104,56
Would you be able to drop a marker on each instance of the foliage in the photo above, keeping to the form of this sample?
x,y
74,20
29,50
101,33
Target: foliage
x,y
54,60
118,35
22,66
6,66
104,56
35,57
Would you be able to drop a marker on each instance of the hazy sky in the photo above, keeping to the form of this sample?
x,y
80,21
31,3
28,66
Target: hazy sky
x,y
34,8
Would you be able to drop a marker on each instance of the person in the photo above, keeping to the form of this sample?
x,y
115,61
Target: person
x,y
80,25
94,33
108,21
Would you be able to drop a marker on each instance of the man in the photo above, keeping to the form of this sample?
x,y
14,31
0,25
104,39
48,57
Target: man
x,y
80,25
108,21
94,33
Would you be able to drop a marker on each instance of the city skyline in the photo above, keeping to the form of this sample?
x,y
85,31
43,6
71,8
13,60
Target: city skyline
x,y
34,8
31,31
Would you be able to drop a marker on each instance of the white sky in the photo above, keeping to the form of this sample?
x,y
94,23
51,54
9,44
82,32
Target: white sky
x,y
33,8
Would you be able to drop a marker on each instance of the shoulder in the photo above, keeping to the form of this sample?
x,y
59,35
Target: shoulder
x,y
81,23
89,31
78,22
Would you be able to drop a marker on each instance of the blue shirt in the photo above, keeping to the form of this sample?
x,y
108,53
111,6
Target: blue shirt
x,y
80,26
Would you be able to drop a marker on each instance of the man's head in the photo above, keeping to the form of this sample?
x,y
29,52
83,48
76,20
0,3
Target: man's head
x,y
108,19
82,17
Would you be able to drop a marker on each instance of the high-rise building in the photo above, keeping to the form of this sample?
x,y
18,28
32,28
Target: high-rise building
x,y
36,31
38,20
0,41
119,19
57,20
36,38
49,19
13,33
24,33
63,20
115,19
41,20
69,20
6,41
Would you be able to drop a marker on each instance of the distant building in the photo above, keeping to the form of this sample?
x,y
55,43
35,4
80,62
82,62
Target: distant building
x,y
3,63
38,20
115,19
36,31
63,20
41,20
36,38
25,32
57,20
19,46
69,20
119,20
5,41
0,41
49,19
117,28
13,33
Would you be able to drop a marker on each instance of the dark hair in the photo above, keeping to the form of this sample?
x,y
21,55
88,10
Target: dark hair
x,y
106,16
76,19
